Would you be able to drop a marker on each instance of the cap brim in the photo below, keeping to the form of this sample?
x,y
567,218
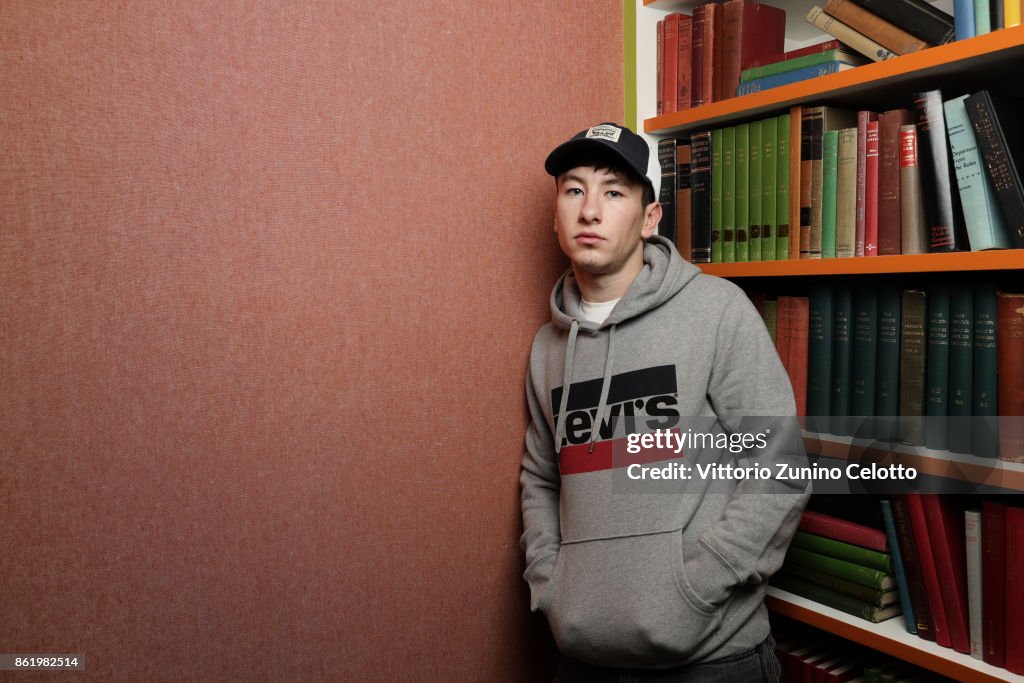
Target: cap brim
x,y
562,157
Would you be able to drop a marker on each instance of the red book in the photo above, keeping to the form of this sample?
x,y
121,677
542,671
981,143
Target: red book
x,y
751,30
660,74
993,579
791,339
683,77
863,118
793,54
871,189
1015,598
1010,369
889,208
697,56
946,532
844,530
919,527
670,70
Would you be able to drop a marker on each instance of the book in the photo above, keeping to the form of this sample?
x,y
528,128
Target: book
x,y
771,318
889,208
670,67
683,62
917,17
993,575
769,191
700,196
1011,13
887,359
808,116
792,182
864,365
841,550
792,345
851,37
849,571
829,185
816,58
963,19
816,48
1000,140
946,533
912,568
728,195
899,572
943,213
845,530
863,117
912,365
697,56
985,227
937,366
819,358
913,238
754,190
684,207
871,189
717,189
842,356
961,369
820,120
846,194
925,554
1013,531
794,76
884,33
667,196
982,19
843,603
985,407
1010,369
741,160
995,8
660,73
972,546
750,30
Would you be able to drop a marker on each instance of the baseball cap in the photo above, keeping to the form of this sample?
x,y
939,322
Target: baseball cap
x,y
626,145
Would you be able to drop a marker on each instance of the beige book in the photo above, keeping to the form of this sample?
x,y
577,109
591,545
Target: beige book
x,y
913,229
875,27
840,31
846,194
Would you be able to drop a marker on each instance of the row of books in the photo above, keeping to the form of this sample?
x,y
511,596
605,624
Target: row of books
x,y
977,17
948,564
933,366
942,177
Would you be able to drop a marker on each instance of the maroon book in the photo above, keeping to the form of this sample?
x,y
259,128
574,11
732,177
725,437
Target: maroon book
x,y
889,233
1010,365
1014,628
863,118
844,530
946,532
793,54
697,56
933,591
750,30
912,568
993,579
683,72
670,68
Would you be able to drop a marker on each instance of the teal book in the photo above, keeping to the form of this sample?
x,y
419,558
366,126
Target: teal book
x,y
843,551
982,17
842,357
899,573
783,230
717,251
729,195
961,369
913,340
887,360
864,365
741,160
985,436
829,183
754,191
819,358
769,147
937,367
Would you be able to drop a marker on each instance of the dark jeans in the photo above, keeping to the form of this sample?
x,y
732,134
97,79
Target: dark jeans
x,y
756,665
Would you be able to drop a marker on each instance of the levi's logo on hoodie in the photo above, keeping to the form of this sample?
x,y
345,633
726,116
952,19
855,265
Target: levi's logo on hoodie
x,y
640,400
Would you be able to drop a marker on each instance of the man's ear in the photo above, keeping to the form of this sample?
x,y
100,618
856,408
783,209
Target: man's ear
x,y
652,216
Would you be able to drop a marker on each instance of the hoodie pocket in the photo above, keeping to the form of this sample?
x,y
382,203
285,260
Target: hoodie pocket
x,y
627,601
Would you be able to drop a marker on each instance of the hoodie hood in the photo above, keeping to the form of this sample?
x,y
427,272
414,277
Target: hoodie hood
x,y
661,278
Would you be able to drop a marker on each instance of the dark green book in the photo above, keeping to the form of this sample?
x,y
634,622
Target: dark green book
x,y
769,169
865,576
887,359
864,365
819,358
912,359
842,550
729,195
667,160
985,436
829,183
741,159
784,232
879,598
961,368
831,598
842,357
755,190
717,249
937,366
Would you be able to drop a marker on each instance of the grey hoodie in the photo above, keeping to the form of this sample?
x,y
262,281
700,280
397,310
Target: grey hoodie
x,y
627,573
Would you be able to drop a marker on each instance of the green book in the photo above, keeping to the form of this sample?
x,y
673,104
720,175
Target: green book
x,y
783,230
819,358
755,190
843,551
771,317
842,358
829,182
741,159
937,367
850,571
769,146
961,368
835,55
887,360
831,598
729,195
864,363
985,436
913,334
846,194
717,251
879,598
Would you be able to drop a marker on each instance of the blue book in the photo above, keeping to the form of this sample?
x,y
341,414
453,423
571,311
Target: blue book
x,y
897,567
794,76
963,19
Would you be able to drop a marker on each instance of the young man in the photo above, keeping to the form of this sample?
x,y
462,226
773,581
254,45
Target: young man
x,y
648,575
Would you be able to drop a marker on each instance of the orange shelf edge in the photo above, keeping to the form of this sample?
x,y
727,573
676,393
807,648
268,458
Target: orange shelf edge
x,y
1008,259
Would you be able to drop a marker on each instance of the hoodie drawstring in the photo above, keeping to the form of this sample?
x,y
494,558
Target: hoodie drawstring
x,y
605,385
570,353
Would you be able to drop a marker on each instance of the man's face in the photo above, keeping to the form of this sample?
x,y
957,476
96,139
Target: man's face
x,y
600,220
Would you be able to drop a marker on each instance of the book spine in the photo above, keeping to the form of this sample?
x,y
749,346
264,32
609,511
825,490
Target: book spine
x,y
670,83
854,39
875,27
754,191
817,48
816,59
794,180
925,553
912,218
899,572
732,37
729,195
889,235
794,317
937,366
829,185
912,566
1010,371
864,365
972,537
717,187
713,56
846,194
782,223
683,68
700,196
1011,13
993,575
862,139
998,162
995,8
879,598
871,189
843,551
794,76
1014,627
961,369
985,229
819,363
982,17
963,19
771,318
925,22
807,126
741,160
684,204
697,56
817,182
865,576
843,529
660,73
946,530
843,603
985,425
842,356
887,381
769,173
945,228
912,360
667,198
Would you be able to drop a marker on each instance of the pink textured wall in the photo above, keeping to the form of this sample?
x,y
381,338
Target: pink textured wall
x,y
269,276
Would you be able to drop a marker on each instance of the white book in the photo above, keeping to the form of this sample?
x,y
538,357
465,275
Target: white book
x,y
972,529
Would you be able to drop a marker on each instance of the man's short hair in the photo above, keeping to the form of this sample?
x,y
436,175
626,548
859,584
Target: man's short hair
x,y
609,161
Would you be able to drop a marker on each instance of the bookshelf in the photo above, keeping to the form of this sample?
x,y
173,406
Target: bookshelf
x,y
968,65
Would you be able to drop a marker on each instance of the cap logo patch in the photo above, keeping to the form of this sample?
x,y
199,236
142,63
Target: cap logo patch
x,y
605,132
